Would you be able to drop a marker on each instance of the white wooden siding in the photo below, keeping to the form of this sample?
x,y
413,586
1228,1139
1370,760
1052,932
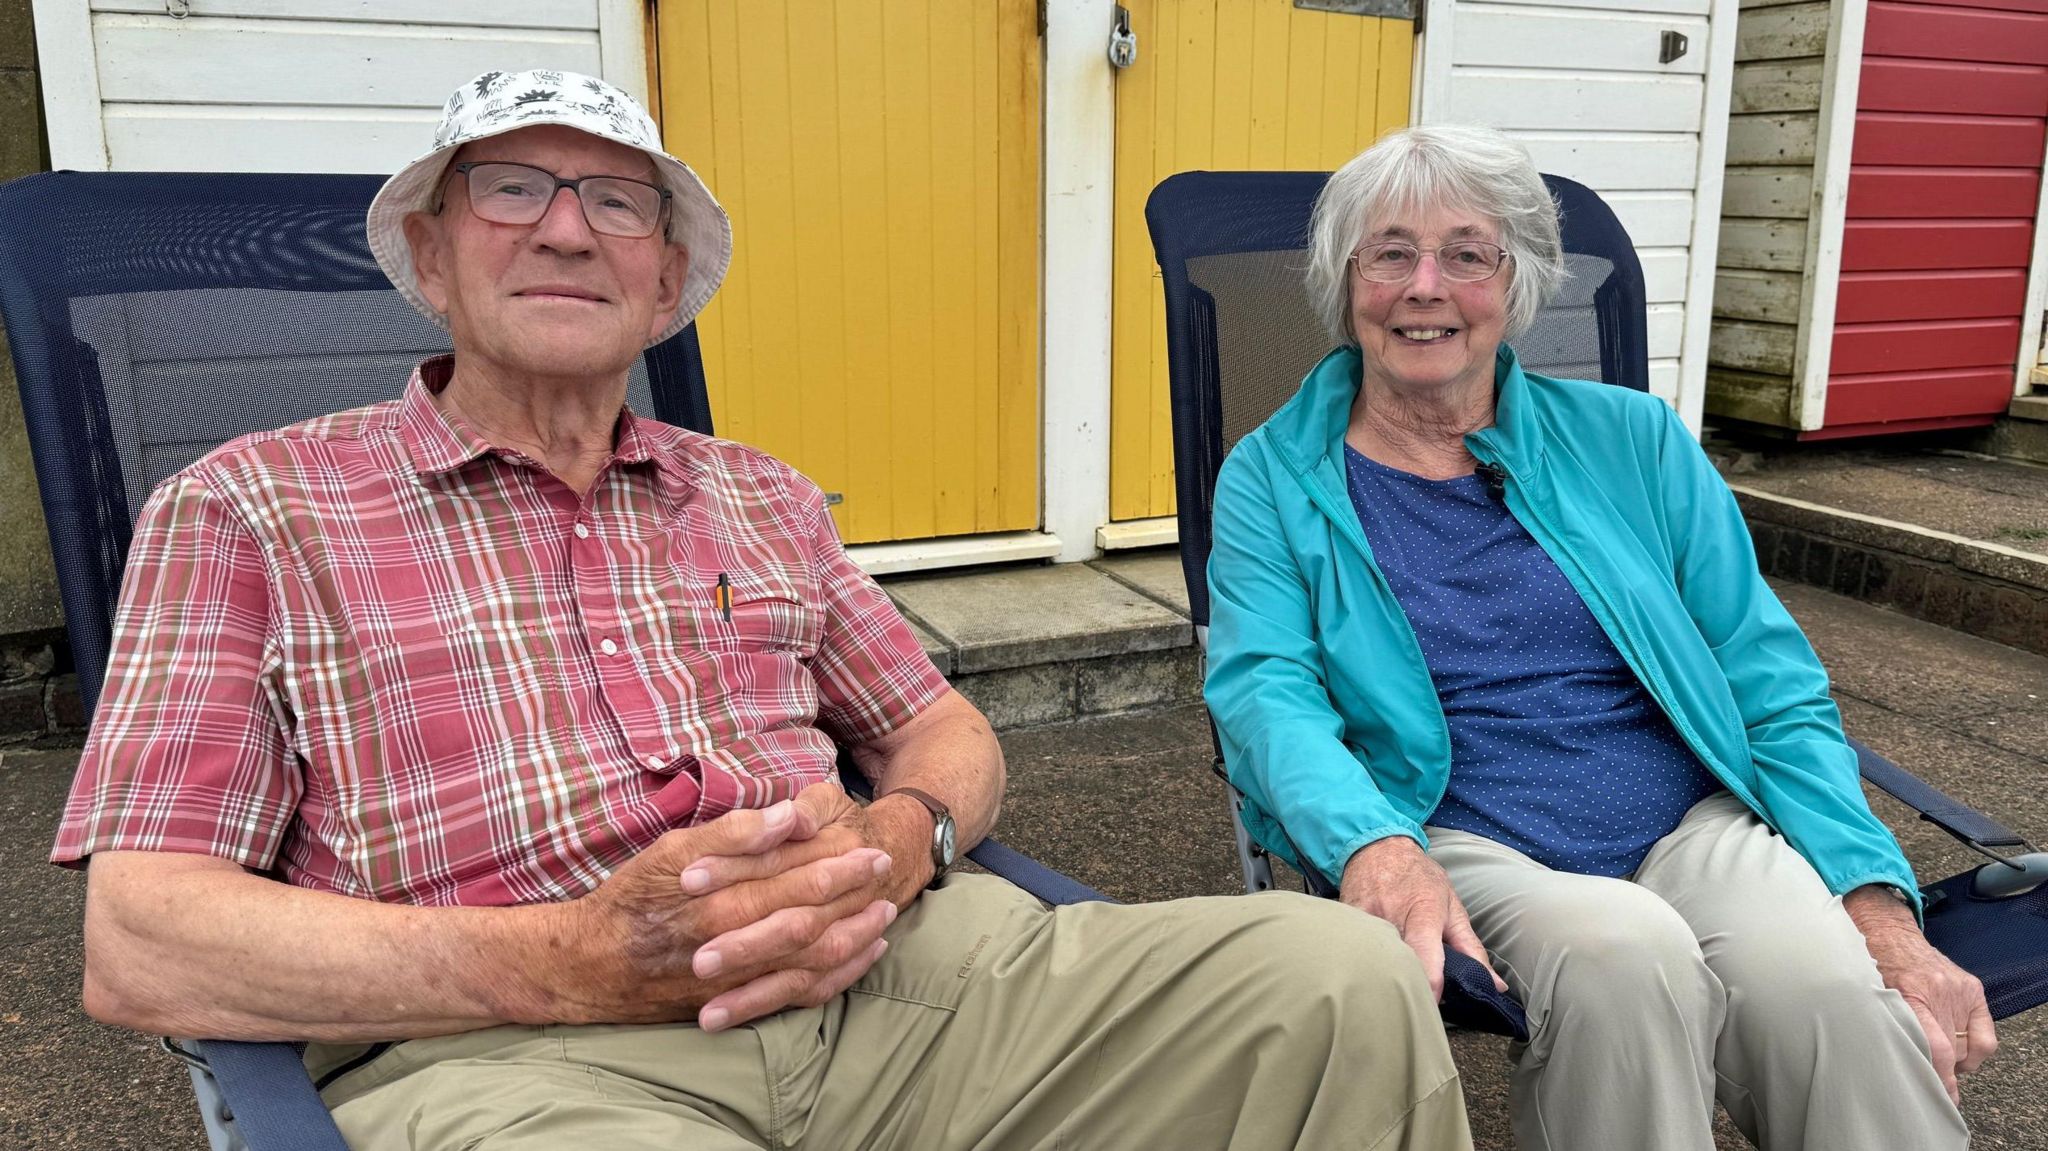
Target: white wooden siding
x,y
580,15
1608,40
1578,82
302,85
1654,219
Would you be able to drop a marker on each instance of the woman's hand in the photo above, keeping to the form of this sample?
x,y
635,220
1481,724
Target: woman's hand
x,y
1948,1001
1391,878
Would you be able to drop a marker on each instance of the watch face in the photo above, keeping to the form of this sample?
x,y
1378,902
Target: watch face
x,y
943,840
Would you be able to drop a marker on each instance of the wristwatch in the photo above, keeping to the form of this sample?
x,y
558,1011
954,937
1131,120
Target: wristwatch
x,y
945,845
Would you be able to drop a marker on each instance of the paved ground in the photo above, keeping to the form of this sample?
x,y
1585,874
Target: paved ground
x,y
1996,501
1094,797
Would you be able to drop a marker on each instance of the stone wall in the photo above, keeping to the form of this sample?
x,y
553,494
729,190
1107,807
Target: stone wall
x,y
36,692
1985,589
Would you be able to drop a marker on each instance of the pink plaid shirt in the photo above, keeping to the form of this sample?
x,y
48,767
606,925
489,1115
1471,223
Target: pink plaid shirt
x,y
386,659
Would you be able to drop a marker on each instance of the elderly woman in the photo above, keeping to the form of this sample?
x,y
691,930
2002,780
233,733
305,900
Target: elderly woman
x,y
1490,652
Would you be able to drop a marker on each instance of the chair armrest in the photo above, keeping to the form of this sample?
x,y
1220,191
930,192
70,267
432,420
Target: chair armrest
x,y
266,1095
1957,818
1035,877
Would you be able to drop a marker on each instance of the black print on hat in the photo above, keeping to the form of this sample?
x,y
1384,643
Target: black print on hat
x,y
534,96
489,82
544,76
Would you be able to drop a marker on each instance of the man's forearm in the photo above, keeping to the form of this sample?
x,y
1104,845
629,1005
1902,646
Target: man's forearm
x,y
949,752
196,946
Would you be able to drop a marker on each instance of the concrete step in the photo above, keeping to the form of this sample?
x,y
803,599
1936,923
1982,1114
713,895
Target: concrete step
x,y
1029,645
2023,433
1049,644
1955,538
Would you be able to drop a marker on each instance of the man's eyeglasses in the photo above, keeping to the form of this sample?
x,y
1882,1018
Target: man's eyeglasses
x,y
1466,261
506,193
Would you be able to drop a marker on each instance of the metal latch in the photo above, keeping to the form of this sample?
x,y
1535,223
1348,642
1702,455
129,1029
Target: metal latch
x,y
1392,9
1123,43
1673,46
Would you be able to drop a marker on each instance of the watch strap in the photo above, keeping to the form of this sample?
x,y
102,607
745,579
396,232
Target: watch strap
x,y
940,814
931,804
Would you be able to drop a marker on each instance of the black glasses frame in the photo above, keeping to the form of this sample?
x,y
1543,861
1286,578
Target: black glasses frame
x,y
575,186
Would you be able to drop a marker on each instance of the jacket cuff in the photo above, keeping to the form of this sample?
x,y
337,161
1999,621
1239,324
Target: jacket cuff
x,y
1906,889
1333,870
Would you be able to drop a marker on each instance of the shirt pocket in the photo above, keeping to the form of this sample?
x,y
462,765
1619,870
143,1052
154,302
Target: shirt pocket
x,y
767,611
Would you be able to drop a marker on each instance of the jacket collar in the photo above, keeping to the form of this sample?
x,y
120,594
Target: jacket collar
x,y
1309,428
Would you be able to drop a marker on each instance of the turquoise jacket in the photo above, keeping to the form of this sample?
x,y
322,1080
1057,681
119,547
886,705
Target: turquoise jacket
x,y
1330,725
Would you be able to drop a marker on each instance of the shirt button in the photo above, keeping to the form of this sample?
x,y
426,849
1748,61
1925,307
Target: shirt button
x,y
582,531
608,647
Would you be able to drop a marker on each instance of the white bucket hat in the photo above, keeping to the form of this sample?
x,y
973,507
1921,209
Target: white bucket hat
x,y
499,102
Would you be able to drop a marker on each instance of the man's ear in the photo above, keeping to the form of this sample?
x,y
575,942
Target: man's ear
x,y
675,268
430,261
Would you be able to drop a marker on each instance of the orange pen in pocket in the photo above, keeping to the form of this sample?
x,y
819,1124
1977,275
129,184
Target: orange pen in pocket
x,y
724,597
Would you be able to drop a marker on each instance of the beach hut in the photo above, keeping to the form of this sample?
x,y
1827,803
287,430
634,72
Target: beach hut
x,y
1881,264
944,307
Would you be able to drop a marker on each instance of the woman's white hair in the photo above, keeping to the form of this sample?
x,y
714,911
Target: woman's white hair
x,y
1473,169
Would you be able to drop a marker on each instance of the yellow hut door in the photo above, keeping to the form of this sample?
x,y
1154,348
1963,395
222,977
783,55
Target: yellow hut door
x,y
1224,85
879,329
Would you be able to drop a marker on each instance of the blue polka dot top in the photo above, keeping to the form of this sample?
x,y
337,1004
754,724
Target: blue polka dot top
x,y
1556,748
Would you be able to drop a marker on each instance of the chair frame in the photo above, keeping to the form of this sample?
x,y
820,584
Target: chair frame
x,y
2016,869
251,1095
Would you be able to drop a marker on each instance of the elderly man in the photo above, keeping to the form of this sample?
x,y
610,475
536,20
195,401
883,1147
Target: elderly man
x,y
485,738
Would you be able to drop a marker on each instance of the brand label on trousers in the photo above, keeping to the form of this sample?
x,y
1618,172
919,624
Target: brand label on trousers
x,y
972,955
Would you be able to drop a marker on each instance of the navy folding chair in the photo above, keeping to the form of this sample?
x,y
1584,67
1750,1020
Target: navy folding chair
x,y
1240,336
152,317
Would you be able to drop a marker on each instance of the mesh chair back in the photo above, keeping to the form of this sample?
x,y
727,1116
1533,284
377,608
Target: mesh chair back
x,y
154,316
1240,335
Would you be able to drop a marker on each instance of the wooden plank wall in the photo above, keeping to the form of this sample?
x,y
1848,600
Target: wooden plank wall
x,y
879,329
1945,176
310,85
1229,85
1579,83
1773,123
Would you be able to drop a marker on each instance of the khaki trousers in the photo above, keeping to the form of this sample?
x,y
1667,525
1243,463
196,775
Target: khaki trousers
x,y
1270,1021
1723,969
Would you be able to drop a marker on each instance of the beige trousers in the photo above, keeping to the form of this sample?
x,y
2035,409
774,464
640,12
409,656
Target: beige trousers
x,y
1723,969
991,1022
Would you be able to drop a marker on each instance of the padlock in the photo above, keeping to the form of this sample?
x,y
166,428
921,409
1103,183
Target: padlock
x,y
1123,43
